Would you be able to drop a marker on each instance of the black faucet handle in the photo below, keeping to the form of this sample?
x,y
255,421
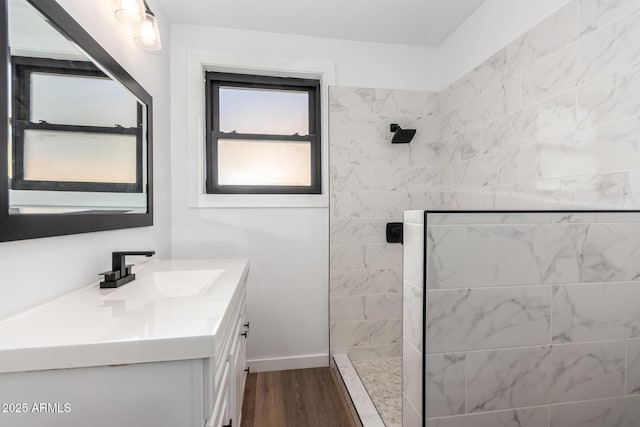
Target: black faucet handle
x,y
110,276
127,269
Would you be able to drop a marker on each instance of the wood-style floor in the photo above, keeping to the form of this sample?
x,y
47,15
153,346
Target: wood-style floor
x,y
299,398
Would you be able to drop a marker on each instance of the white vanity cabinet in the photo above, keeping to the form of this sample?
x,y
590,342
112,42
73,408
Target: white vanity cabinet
x,y
226,374
241,368
91,358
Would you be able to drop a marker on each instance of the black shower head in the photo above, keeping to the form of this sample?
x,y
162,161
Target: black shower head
x,y
401,136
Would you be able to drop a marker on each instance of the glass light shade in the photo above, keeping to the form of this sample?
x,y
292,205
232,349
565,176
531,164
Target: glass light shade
x,y
148,33
130,11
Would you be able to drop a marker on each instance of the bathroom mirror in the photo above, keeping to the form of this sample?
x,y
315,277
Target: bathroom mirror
x,y
78,130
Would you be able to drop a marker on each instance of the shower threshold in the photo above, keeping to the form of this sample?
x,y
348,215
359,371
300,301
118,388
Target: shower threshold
x,y
375,389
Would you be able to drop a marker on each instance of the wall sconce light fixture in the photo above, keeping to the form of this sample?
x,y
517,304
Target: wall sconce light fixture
x,y
148,33
138,13
130,11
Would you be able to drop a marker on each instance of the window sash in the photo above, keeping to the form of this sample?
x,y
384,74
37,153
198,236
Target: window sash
x,y
23,67
214,82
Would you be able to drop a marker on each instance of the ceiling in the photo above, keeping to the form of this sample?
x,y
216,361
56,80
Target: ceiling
x,y
416,22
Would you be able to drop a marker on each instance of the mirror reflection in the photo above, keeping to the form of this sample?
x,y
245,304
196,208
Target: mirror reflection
x,y
77,140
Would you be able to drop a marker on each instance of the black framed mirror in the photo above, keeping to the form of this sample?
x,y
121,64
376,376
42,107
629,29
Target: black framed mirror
x,y
78,128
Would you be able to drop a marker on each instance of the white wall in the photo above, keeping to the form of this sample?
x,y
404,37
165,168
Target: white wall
x,y
493,26
288,280
288,247
360,64
37,270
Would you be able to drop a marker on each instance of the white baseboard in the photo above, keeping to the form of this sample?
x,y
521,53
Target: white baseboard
x,y
287,363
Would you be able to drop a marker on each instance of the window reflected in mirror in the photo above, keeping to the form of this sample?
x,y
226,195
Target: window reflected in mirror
x,y
78,137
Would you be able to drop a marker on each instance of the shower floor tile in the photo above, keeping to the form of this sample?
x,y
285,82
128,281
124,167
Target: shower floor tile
x,y
383,380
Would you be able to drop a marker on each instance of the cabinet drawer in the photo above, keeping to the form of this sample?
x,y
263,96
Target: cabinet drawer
x,y
232,338
239,366
215,367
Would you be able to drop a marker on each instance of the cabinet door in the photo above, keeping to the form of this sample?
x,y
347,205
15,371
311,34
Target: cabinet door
x,y
222,411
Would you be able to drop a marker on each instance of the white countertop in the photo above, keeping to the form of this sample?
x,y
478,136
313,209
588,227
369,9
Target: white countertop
x,y
97,327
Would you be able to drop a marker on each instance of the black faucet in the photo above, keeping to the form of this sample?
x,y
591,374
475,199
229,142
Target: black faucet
x,y
121,272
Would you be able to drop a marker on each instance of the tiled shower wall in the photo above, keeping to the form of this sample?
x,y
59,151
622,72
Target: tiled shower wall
x,y
372,182
412,319
531,320
551,120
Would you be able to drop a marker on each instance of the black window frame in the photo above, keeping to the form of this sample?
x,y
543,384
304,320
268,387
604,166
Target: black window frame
x,y
213,82
22,69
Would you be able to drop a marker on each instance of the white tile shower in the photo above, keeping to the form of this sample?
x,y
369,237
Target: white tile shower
x,y
549,122
372,183
545,319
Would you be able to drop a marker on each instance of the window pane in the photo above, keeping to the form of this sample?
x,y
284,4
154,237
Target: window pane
x,y
78,100
272,112
79,157
242,162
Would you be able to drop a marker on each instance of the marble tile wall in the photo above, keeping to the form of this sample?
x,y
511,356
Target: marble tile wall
x,y
530,322
371,183
551,121
446,367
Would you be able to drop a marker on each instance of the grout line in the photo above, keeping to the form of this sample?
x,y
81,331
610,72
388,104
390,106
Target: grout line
x,y
534,285
551,315
466,255
578,20
544,406
606,26
626,366
406,398
490,288
466,386
532,347
405,339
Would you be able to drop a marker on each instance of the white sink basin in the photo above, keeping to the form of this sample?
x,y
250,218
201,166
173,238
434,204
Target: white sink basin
x,y
167,284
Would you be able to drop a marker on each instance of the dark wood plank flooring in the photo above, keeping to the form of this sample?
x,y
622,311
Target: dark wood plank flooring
x,y
298,398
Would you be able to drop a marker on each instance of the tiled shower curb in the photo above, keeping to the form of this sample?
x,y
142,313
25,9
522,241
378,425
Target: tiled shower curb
x,y
362,403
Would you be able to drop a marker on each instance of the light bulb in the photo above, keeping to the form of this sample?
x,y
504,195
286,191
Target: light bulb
x,y
130,11
148,33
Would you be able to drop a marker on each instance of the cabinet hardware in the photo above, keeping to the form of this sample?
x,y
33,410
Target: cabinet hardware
x,y
246,325
247,370
244,334
230,424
